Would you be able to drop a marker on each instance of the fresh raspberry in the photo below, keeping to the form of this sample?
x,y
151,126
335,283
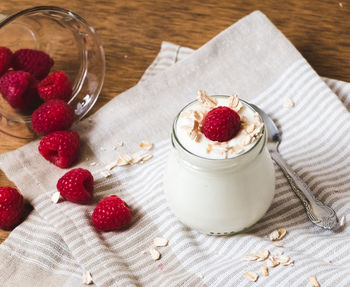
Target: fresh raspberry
x,y
55,86
11,207
61,148
18,88
111,213
5,60
76,185
54,115
221,124
38,63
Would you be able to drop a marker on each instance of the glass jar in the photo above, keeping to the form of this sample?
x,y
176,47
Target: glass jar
x,y
219,196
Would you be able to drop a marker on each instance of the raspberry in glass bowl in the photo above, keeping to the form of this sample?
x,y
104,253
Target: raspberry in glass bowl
x,y
74,48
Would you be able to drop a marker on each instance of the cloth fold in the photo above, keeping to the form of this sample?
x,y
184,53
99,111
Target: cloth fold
x,y
253,59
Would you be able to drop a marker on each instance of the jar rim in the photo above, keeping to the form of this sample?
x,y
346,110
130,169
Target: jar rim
x,y
174,135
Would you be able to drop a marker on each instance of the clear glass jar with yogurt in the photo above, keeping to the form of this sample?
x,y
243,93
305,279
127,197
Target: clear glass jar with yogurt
x,y
214,191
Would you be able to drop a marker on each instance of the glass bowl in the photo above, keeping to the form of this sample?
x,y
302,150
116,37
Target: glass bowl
x,y
75,48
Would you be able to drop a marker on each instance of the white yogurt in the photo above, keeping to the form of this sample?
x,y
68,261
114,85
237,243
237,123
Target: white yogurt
x,y
215,195
200,148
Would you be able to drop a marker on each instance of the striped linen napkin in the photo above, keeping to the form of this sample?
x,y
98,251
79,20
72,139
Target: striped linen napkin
x,y
253,59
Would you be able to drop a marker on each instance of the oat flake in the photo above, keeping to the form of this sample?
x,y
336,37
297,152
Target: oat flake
x,y
147,145
87,279
160,241
288,103
264,270
252,276
155,254
55,197
313,281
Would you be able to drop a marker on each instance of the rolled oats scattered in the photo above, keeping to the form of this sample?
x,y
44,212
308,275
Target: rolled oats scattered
x,y
111,165
198,115
234,103
250,257
123,159
278,234
263,254
313,281
55,197
87,279
264,270
251,276
119,143
278,244
282,259
206,100
147,145
146,157
105,173
288,103
154,254
272,262
93,163
160,241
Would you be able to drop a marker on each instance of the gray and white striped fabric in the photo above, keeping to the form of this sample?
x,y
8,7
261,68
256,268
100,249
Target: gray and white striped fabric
x,y
316,133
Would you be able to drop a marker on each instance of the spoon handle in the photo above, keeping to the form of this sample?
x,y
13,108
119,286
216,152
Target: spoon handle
x,y
319,214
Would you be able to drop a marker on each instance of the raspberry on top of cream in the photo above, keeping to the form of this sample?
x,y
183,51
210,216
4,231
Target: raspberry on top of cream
x,y
189,127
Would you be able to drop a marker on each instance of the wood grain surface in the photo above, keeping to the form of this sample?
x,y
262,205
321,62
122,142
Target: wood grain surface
x,y
131,32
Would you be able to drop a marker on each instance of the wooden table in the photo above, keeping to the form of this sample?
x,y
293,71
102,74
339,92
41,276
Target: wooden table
x,y
132,31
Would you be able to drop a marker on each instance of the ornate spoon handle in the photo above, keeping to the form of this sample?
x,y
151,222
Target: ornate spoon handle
x,y
319,214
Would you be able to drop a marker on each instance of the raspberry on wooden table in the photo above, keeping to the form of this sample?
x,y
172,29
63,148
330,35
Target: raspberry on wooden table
x,y
53,115
36,62
18,88
221,124
76,185
60,148
5,60
111,213
55,86
11,207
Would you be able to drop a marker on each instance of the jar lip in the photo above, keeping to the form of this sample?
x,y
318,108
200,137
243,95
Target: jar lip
x,y
174,136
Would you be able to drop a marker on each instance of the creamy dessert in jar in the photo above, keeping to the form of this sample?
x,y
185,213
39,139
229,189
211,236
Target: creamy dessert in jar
x,y
219,177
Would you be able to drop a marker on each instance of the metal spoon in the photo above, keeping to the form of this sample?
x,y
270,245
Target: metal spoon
x,y
319,214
